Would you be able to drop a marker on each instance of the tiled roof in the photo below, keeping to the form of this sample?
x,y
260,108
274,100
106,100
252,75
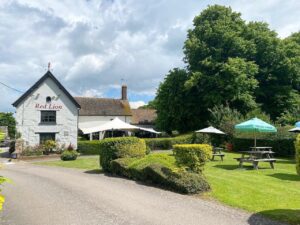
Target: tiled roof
x,y
143,116
91,106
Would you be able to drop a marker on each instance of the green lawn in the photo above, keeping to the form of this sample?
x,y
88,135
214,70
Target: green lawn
x,y
86,163
273,193
2,136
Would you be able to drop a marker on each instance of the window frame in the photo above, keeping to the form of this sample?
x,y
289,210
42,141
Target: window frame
x,y
48,119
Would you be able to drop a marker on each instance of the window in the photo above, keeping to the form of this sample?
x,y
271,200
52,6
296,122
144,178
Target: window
x,y
48,116
48,100
46,137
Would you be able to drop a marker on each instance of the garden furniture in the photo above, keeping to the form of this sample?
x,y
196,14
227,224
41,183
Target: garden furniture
x,y
217,152
256,156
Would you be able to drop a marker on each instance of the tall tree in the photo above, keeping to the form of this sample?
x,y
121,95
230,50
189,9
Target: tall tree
x,y
217,53
171,102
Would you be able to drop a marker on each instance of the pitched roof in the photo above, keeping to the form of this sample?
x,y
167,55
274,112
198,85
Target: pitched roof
x,y
38,83
91,106
143,116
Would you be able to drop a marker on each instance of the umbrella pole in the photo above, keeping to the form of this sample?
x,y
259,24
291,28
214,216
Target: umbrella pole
x,y
255,141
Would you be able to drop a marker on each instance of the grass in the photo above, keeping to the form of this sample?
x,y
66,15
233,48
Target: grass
x,y
2,136
87,163
273,193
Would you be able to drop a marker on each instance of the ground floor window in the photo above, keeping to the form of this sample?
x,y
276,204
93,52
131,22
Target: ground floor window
x,y
46,136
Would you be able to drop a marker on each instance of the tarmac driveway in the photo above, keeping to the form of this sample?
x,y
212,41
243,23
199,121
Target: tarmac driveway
x,y
41,195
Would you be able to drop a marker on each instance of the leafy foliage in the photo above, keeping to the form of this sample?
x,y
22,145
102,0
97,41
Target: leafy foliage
x,y
243,66
192,156
69,155
160,169
171,102
89,147
167,143
124,147
7,119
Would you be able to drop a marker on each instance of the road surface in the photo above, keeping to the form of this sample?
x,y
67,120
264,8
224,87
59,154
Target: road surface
x,y
41,195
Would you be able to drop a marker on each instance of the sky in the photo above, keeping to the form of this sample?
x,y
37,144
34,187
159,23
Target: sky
x,y
94,46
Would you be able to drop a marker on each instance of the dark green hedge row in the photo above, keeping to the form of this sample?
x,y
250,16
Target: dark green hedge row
x,y
123,147
180,181
167,143
89,147
282,147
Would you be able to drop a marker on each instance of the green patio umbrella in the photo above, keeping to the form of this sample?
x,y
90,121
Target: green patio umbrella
x,y
255,125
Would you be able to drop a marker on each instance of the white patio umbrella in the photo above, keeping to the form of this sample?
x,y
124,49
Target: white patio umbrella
x,y
210,130
115,124
295,130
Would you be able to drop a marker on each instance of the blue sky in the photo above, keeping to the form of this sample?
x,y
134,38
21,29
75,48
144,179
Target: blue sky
x,y
93,45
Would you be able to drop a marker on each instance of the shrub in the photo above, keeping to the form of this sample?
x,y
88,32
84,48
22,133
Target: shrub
x,y
297,148
167,143
124,147
89,147
282,147
192,156
32,151
159,174
69,155
49,146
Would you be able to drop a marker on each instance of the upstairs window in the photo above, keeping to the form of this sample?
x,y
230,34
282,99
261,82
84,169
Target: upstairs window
x,y
48,100
48,117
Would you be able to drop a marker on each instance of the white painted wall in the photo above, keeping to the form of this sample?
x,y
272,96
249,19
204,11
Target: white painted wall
x,y
28,117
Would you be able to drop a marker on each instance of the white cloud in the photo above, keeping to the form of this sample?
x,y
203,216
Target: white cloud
x,y
137,104
94,44
92,93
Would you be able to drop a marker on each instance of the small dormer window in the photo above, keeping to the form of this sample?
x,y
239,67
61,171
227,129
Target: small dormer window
x,y
48,99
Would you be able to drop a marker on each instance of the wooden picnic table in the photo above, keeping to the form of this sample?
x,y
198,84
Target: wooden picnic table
x,y
266,148
255,157
217,152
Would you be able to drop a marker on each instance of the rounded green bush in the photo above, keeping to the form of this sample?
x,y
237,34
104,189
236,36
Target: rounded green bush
x,y
192,156
124,147
69,155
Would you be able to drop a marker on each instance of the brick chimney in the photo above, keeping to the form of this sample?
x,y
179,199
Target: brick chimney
x,y
124,92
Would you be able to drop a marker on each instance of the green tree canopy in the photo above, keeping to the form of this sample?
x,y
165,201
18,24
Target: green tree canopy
x,y
244,66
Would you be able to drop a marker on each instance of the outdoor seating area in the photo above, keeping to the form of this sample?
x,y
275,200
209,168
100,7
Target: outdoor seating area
x,y
256,155
217,152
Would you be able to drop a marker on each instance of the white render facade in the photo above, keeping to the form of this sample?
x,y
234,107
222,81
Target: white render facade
x,y
47,111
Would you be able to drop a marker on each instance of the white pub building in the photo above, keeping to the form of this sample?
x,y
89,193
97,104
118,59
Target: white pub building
x,y
47,111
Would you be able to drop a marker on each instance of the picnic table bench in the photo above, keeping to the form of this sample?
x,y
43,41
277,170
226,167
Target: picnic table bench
x,y
257,156
217,152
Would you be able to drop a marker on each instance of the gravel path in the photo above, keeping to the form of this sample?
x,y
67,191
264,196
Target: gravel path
x,y
41,195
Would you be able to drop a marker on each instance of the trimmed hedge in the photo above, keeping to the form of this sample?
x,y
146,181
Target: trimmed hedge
x,y
124,147
297,155
69,155
89,147
282,147
192,156
160,175
167,143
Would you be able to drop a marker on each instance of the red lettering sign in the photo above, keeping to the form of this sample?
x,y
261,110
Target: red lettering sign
x,y
48,106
